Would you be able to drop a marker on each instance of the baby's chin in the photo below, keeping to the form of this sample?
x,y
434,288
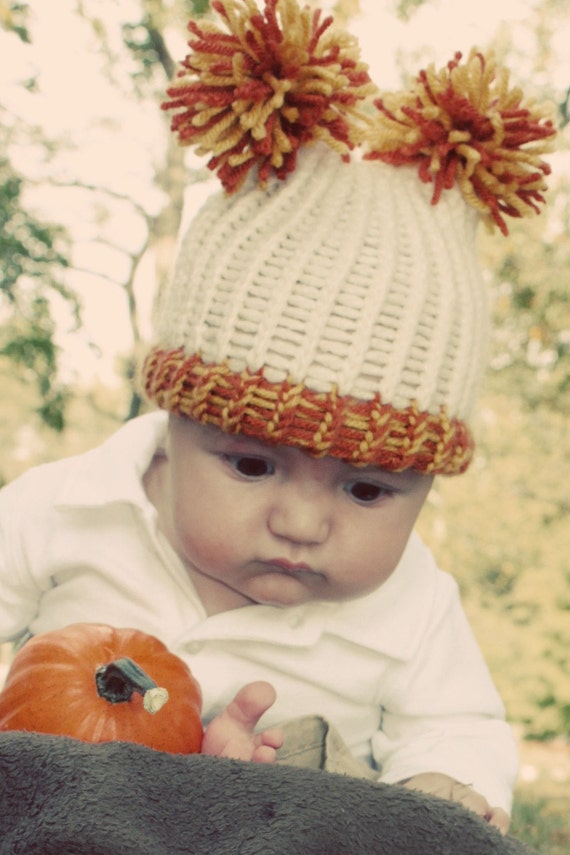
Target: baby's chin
x,y
283,588
286,590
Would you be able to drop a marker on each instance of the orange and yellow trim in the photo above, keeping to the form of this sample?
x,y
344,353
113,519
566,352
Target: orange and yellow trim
x,y
320,423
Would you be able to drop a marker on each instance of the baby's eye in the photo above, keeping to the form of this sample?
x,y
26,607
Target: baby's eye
x,y
251,467
365,492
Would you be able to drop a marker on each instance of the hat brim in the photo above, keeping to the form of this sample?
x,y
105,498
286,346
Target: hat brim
x,y
319,423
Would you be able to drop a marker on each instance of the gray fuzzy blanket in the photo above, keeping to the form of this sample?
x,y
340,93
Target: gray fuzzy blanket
x,y
59,796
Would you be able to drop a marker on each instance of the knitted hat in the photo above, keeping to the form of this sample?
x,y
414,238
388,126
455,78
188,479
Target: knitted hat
x,y
332,305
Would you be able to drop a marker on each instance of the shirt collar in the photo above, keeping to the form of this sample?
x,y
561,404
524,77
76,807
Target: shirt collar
x,y
113,471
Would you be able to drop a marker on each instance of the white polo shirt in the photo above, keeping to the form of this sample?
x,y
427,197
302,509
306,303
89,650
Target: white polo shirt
x,y
397,671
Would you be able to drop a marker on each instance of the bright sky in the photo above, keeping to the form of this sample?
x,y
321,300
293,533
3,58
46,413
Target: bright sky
x,y
435,31
120,144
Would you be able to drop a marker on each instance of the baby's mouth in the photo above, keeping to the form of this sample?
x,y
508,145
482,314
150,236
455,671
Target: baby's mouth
x,y
290,568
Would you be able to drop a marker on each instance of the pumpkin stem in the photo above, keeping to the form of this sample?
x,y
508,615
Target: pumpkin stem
x,y
117,681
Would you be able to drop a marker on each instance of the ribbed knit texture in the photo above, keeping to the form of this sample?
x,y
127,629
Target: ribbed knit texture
x,y
343,280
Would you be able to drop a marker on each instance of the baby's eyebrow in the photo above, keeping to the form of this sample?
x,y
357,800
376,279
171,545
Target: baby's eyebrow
x,y
242,444
386,476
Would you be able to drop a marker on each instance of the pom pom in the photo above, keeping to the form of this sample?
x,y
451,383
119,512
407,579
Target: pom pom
x,y
464,125
273,82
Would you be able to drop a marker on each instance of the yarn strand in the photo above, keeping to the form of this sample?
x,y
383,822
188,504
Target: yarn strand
x,y
463,125
274,82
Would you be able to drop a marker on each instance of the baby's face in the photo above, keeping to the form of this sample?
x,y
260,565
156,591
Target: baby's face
x,y
262,524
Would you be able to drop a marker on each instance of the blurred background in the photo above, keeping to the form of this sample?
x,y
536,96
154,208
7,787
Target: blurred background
x,y
92,192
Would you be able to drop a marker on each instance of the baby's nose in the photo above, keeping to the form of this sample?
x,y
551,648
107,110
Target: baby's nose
x,y
300,518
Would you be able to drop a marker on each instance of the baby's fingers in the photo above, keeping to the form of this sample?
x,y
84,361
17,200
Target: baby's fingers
x,y
474,801
499,818
273,737
266,745
438,784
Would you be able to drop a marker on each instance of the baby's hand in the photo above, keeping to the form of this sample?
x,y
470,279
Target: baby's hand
x,y
448,788
231,734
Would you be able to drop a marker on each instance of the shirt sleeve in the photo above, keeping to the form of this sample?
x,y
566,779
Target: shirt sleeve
x,y
442,712
22,531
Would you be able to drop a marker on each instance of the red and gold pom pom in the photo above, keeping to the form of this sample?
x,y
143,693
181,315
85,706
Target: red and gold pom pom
x,y
256,88
464,125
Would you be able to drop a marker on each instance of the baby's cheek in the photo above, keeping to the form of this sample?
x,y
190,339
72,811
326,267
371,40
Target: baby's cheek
x,y
367,570
202,546
217,546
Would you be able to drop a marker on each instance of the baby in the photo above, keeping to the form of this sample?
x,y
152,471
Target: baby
x,y
317,355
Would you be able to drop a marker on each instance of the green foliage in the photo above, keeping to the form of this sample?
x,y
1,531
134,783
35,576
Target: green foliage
x,y
502,530
531,345
14,17
199,7
27,246
138,39
541,823
90,416
406,8
144,37
32,259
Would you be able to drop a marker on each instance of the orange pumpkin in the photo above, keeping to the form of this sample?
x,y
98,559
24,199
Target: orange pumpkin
x,y
101,684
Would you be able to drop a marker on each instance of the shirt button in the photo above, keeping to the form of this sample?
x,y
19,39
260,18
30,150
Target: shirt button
x,y
295,621
195,646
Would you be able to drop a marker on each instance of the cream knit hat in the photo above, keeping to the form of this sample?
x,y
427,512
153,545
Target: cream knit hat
x,y
334,308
